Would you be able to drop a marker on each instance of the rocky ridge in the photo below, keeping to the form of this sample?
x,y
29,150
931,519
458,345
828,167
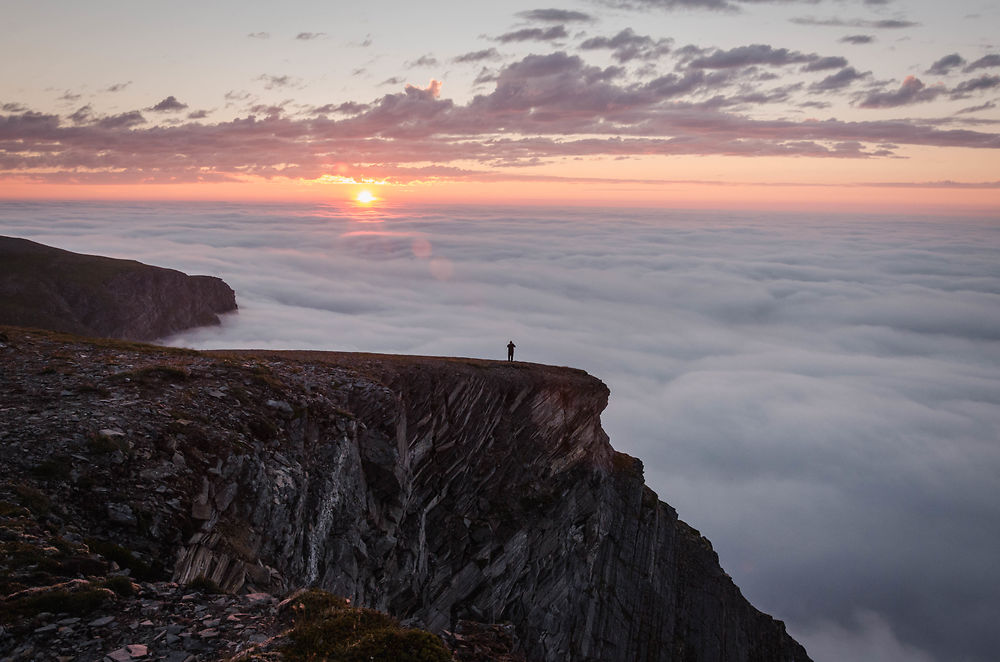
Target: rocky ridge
x,y
50,288
453,493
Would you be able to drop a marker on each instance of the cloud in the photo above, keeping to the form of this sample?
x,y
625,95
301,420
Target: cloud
x,y
857,39
824,63
272,82
944,66
911,91
534,34
478,56
309,36
987,61
538,108
754,54
984,82
259,35
168,105
556,16
989,105
198,115
839,80
627,46
117,87
881,24
122,120
817,394
423,61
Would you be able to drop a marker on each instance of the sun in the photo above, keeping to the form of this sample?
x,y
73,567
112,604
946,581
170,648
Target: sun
x,y
364,197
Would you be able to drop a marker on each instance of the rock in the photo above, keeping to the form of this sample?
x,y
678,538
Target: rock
x,y
121,513
49,288
441,491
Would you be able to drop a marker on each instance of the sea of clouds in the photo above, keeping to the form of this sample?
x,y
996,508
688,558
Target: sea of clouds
x,y
819,395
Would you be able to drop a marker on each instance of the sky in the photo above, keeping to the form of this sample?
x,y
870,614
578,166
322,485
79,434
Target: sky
x,y
850,105
818,394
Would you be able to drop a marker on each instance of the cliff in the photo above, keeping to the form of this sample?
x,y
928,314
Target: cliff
x,y
445,491
50,288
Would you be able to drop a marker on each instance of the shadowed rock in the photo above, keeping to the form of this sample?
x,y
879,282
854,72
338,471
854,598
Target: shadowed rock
x,y
50,288
448,492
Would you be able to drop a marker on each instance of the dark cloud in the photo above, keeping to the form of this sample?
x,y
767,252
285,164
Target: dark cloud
x,y
259,35
534,34
168,105
395,80
857,39
69,96
989,105
122,120
423,61
987,61
117,87
539,108
984,82
881,24
627,46
556,16
839,80
944,66
911,91
824,407
754,54
346,108
824,63
478,56
82,115
198,115
272,82
309,36
13,107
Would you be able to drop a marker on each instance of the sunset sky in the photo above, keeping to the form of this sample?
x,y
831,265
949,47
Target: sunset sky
x,y
876,105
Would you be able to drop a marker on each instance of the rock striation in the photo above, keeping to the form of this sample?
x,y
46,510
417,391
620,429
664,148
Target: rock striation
x,y
457,494
50,288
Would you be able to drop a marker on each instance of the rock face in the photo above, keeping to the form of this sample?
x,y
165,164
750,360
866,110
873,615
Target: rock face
x,y
439,490
49,288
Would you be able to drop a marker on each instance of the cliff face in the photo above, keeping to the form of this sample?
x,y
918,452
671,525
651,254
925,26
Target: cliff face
x,y
49,288
436,489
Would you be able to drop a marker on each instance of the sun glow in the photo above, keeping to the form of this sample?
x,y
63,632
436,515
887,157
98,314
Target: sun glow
x,y
365,197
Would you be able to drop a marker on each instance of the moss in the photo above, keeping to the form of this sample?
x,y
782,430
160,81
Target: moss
x,y
77,603
120,585
327,628
54,468
33,499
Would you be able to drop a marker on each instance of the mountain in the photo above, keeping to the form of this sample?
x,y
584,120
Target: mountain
x,y
50,288
459,495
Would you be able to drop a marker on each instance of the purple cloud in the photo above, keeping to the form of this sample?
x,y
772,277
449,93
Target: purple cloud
x,y
911,91
556,16
627,45
478,56
168,105
985,62
944,66
534,34
857,39
839,80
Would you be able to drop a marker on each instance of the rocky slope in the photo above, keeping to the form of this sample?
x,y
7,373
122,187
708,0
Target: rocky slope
x,y
439,490
49,288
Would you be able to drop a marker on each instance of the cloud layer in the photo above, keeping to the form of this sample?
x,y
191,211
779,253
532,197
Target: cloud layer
x,y
819,395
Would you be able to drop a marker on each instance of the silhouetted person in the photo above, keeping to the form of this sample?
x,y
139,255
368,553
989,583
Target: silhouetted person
x,y
510,350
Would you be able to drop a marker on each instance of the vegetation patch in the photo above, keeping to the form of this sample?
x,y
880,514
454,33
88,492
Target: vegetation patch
x,y
326,627
88,598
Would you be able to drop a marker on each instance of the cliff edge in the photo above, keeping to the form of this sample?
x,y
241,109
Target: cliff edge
x,y
50,288
444,491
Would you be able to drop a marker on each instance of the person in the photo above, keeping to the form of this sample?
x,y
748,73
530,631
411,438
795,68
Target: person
x,y
510,350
